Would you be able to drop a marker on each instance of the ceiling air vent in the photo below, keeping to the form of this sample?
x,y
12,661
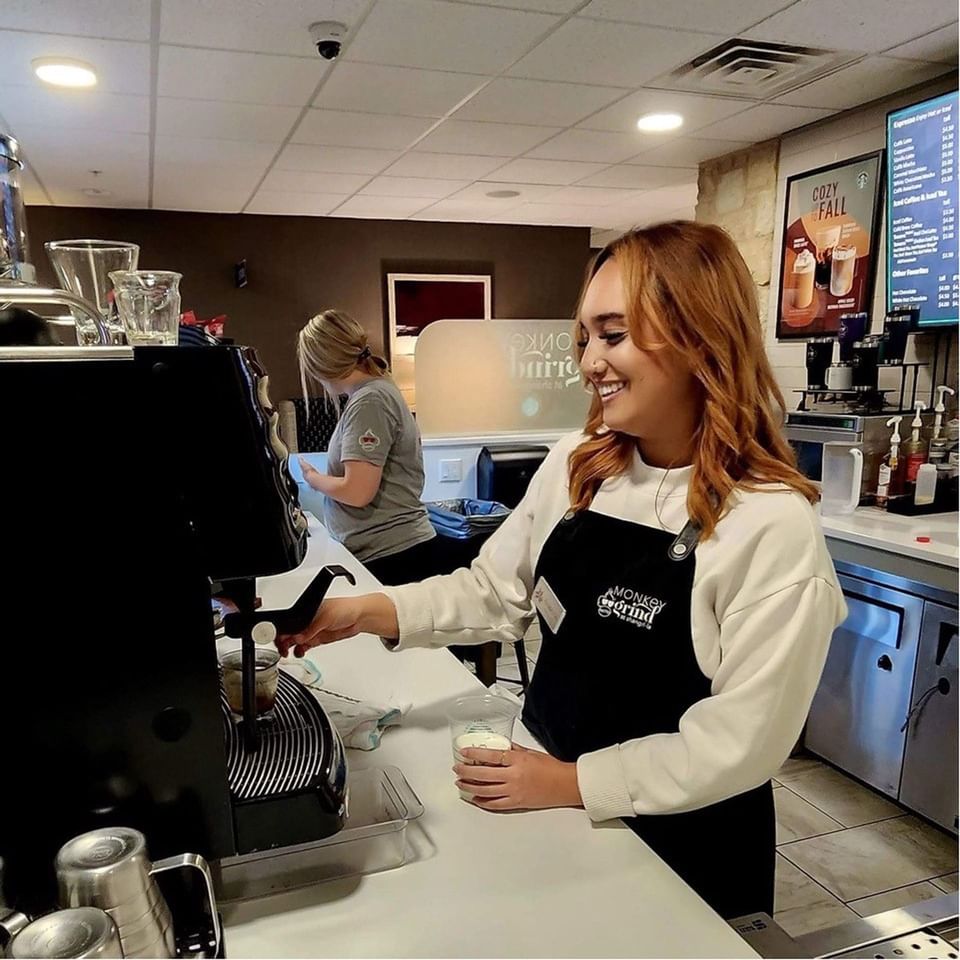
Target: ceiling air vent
x,y
755,70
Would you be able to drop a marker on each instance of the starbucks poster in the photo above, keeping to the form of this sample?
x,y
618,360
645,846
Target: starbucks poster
x,y
829,252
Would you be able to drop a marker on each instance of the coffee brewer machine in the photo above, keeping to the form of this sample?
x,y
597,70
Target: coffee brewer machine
x,y
132,478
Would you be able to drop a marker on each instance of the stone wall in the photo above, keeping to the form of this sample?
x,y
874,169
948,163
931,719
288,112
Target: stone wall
x,y
738,192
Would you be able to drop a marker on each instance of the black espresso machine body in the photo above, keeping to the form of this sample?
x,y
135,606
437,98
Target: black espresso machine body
x,y
132,478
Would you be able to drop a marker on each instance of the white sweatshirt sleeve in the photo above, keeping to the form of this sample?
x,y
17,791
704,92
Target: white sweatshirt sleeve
x,y
773,651
489,601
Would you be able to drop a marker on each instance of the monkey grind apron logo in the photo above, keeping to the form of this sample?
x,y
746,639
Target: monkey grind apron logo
x,y
369,441
630,606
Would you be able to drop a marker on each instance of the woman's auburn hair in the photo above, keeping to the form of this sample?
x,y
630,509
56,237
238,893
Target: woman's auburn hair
x,y
687,287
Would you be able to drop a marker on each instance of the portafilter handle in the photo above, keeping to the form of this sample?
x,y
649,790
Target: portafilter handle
x,y
293,619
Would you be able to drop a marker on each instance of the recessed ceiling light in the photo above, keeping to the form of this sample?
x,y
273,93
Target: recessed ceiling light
x,y
503,194
659,122
64,72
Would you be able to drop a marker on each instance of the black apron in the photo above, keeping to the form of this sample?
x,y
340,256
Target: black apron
x,y
622,666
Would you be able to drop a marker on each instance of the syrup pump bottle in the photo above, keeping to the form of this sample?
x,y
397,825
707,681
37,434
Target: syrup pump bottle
x,y
939,446
914,451
890,483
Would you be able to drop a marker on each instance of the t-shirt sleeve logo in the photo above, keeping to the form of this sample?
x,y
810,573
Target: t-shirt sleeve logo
x,y
369,441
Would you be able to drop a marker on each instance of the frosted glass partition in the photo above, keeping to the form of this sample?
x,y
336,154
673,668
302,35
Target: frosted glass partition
x,y
478,377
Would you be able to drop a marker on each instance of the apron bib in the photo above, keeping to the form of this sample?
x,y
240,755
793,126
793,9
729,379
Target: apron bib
x,y
620,665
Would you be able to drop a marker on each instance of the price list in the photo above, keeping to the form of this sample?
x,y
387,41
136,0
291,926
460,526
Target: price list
x,y
922,211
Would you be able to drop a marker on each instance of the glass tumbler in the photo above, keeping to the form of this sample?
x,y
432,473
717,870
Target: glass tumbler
x,y
148,302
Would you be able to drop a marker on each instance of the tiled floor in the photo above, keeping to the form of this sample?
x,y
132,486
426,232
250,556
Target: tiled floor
x,y
843,850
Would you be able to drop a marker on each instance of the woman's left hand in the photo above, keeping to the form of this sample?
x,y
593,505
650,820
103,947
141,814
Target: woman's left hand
x,y
517,779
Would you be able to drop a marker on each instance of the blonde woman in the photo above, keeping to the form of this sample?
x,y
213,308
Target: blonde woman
x,y
681,579
374,475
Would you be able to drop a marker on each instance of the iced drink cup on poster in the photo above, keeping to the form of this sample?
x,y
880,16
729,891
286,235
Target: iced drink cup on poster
x,y
483,721
842,269
803,271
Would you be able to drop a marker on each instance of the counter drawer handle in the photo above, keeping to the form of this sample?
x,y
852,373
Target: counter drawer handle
x,y
885,663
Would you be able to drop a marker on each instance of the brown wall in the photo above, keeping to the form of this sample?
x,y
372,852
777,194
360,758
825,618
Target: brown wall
x,y
298,266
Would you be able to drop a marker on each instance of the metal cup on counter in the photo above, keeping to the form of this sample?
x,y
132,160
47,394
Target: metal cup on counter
x,y
853,327
896,326
80,932
109,868
819,355
866,357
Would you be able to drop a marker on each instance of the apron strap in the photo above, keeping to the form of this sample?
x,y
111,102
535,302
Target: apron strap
x,y
685,542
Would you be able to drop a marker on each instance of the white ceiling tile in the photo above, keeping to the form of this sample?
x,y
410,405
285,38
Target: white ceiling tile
x,y
632,177
446,36
870,79
526,192
471,211
616,54
121,67
259,26
294,203
939,46
233,153
211,119
301,156
580,196
186,196
341,129
559,172
118,179
559,214
304,181
868,25
83,149
589,146
697,111
238,77
381,208
129,20
65,197
511,100
444,166
412,187
484,139
167,177
545,6
75,109
372,88
726,19
763,122
687,152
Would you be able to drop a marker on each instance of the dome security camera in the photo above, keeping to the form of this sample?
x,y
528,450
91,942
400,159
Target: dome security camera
x,y
327,37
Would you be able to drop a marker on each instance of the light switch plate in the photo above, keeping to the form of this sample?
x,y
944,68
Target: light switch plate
x,y
451,471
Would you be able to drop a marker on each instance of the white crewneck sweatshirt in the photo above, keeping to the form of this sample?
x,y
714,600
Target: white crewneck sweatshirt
x,y
765,603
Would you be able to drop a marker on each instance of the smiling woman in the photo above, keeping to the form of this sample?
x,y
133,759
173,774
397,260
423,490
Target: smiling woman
x,y
684,592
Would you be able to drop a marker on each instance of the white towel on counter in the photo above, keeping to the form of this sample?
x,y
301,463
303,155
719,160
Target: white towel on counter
x,y
360,723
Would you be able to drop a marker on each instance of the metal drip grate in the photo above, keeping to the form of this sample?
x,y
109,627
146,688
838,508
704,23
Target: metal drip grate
x,y
912,946
293,745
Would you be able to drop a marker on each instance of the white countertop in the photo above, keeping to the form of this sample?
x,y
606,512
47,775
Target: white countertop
x,y
897,534
531,884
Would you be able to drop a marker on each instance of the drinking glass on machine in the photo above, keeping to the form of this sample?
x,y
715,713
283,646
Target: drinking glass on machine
x,y
266,673
109,868
148,302
84,267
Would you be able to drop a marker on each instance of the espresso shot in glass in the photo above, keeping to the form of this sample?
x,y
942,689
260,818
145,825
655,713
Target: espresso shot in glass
x,y
266,673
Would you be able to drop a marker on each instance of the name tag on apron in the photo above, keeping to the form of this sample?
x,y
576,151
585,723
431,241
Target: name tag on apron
x,y
548,606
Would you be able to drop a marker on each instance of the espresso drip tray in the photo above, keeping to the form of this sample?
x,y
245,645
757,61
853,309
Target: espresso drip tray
x,y
295,745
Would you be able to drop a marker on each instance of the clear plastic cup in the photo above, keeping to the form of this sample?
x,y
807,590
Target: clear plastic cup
x,y
485,721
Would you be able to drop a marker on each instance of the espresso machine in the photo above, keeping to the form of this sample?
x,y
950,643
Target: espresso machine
x,y
133,480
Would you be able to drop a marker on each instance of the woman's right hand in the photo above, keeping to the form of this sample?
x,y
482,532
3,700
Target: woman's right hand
x,y
337,619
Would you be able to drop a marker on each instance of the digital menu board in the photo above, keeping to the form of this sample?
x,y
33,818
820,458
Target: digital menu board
x,y
922,210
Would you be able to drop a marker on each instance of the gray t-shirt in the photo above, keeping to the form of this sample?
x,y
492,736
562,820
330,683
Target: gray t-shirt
x,y
377,427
